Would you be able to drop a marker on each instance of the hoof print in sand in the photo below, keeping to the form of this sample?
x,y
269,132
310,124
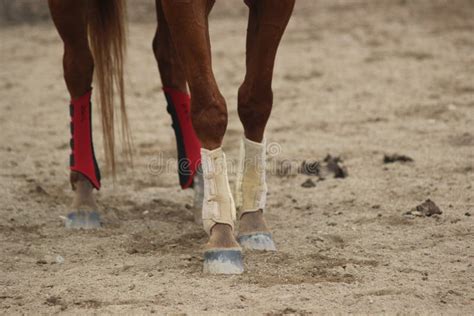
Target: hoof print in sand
x,y
426,209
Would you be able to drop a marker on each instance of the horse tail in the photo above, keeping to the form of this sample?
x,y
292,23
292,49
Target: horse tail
x,y
107,36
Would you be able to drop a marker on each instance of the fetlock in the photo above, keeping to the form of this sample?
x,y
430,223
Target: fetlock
x,y
253,222
222,237
83,193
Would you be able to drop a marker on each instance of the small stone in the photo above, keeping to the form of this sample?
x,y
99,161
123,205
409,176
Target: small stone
x,y
145,212
467,214
132,251
131,287
186,257
41,262
53,300
40,190
150,274
59,259
426,209
308,184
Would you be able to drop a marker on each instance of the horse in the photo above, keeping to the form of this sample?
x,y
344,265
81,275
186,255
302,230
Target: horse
x,y
93,35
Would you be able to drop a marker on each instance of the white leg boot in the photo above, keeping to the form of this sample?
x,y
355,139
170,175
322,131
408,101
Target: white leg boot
x,y
251,192
218,208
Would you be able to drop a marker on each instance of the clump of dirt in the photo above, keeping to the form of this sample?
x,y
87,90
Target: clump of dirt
x,y
396,158
426,209
331,165
308,183
334,164
53,300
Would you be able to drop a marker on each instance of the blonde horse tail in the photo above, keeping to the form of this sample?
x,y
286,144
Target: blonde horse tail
x,y
107,36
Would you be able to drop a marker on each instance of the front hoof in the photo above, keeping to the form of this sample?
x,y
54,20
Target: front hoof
x,y
257,241
223,261
83,220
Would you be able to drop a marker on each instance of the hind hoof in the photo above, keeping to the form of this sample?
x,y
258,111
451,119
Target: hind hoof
x,y
83,220
257,241
223,262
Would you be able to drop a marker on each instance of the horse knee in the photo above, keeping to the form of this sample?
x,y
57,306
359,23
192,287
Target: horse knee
x,y
209,118
254,108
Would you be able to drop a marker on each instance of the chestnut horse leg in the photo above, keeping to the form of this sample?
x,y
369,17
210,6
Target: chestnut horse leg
x,y
188,24
70,18
267,23
169,65
175,88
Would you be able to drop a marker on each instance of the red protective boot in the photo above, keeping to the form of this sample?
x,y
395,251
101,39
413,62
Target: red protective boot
x,y
82,158
187,143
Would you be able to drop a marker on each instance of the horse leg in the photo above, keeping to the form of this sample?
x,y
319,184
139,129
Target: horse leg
x,y
173,79
70,18
188,24
267,22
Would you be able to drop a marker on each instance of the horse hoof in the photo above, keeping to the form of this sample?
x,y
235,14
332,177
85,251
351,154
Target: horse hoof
x,y
222,261
83,220
257,241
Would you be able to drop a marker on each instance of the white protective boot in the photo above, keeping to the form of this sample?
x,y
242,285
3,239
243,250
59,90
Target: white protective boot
x,y
218,208
251,192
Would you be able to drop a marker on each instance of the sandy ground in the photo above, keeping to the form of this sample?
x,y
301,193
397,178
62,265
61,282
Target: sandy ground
x,y
355,79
